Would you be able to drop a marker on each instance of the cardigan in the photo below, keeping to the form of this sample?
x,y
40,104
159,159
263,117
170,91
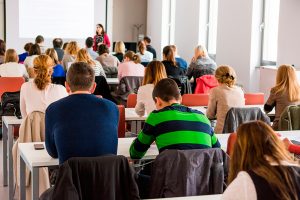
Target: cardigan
x,y
145,103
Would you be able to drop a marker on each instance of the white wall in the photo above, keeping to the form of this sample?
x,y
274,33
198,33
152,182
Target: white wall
x,y
1,19
289,33
125,15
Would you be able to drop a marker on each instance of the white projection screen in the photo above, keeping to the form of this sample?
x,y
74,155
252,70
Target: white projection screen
x,y
67,19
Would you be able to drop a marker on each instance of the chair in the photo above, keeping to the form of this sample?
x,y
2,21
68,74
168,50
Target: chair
x,y
110,72
102,88
254,98
122,124
104,177
289,119
195,99
131,100
205,83
183,83
145,64
10,84
230,143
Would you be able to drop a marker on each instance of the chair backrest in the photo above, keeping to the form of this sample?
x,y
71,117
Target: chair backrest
x,y
131,100
128,85
195,99
102,88
183,84
254,98
289,119
230,143
205,83
10,84
122,124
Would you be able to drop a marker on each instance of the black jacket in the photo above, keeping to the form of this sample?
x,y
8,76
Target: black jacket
x,y
152,50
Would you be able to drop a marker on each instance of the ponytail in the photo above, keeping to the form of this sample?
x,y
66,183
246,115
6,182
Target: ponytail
x,y
43,69
133,57
169,55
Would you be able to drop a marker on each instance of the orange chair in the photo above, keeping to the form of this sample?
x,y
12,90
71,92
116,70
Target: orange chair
x,y
10,84
254,98
122,125
195,99
230,143
131,100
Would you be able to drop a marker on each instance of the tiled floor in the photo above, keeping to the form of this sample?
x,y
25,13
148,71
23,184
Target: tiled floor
x,y
3,190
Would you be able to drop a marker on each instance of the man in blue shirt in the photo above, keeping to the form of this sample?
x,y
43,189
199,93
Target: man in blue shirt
x,y
81,125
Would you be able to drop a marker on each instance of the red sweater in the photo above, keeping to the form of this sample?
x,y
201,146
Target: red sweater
x,y
105,41
293,148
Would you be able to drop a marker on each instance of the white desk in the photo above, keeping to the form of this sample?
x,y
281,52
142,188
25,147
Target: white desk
x,y
112,81
204,197
8,123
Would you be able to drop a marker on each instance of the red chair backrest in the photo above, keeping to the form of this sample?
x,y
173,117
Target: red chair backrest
x,y
205,83
122,125
10,84
230,143
195,99
131,100
254,98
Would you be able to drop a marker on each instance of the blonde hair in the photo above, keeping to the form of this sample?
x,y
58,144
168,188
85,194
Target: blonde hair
x,y
84,56
133,57
11,56
120,47
203,51
43,69
286,81
53,54
72,48
154,72
226,75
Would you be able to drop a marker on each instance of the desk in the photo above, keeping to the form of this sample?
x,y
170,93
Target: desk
x,y
112,81
8,123
204,197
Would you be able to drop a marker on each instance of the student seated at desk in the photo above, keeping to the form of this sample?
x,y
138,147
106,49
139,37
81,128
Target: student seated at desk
x,y
81,125
173,126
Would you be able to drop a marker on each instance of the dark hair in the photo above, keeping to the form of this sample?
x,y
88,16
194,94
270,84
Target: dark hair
x,y
133,57
57,42
39,39
28,46
103,49
80,76
147,39
89,42
169,55
34,50
166,89
103,31
65,45
2,47
142,47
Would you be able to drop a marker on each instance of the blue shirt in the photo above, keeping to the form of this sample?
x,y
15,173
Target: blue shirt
x,y
181,63
22,57
58,71
81,125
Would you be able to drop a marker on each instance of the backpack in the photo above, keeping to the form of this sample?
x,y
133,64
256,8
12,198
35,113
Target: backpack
x,y
10,104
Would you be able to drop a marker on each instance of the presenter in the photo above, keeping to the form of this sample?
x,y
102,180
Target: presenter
x,y
100,38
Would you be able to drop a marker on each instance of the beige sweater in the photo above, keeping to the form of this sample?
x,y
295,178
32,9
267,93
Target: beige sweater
x,y
221,99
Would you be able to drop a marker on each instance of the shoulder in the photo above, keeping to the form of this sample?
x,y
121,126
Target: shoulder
x,y
57,88
146,88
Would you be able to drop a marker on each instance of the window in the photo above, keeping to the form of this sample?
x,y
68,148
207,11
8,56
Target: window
x,y
212,27
269,31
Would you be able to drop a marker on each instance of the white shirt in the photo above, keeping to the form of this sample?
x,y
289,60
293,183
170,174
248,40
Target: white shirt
x,y
28,62
147,57
33,99
145,101
13,69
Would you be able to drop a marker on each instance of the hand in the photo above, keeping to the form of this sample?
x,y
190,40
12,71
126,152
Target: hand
x,y
286,143
100,43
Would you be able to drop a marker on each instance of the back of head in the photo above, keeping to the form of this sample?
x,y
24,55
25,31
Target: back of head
x,y
120,47
72,48
103,49
89,42
2,47
34,50
147,39
84,56
65,45
226,75
80,77
169,54
201,51
39,39
286,81
256,145
57,43
28,46
43,69
132,57
167,90
11,56
53,55
154,72
142,47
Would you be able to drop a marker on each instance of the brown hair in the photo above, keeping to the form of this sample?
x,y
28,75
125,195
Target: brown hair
x,y
34,50
133,57
72,48
80,76
256,145
84,56
2,47
154,72
103,49
11,56
226,75
28,46
169,55
286,81
166,89
142,47
43,69
101,26
120,47
65,45
53,54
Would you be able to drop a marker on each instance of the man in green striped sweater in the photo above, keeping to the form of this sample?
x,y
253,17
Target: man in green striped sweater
x,y
173,126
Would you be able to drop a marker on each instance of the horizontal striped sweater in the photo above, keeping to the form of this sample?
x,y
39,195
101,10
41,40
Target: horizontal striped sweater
x,y
174,127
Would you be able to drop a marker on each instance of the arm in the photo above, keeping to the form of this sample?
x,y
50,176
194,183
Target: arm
x,y
102,72
49,136
22,102
212,105
214,140
270,104
120,69
106,40
189,72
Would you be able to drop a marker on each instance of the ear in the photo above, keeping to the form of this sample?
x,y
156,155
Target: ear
x,y
92,90
158,103
180,99
68,88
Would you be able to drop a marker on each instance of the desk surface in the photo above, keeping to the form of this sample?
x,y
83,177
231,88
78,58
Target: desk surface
x,y
204,197
112,81
11,120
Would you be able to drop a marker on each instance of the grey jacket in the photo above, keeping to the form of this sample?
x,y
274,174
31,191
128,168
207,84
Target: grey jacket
x,y
189,172
200,67
128,85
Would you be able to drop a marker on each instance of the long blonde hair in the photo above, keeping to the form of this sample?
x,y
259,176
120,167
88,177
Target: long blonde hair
x,y
52,53
256,145
120,47
43,69
84,56
286,81
72,48
154,72
226,75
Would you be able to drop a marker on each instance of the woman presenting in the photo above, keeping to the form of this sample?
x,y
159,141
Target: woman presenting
x,y
100,38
